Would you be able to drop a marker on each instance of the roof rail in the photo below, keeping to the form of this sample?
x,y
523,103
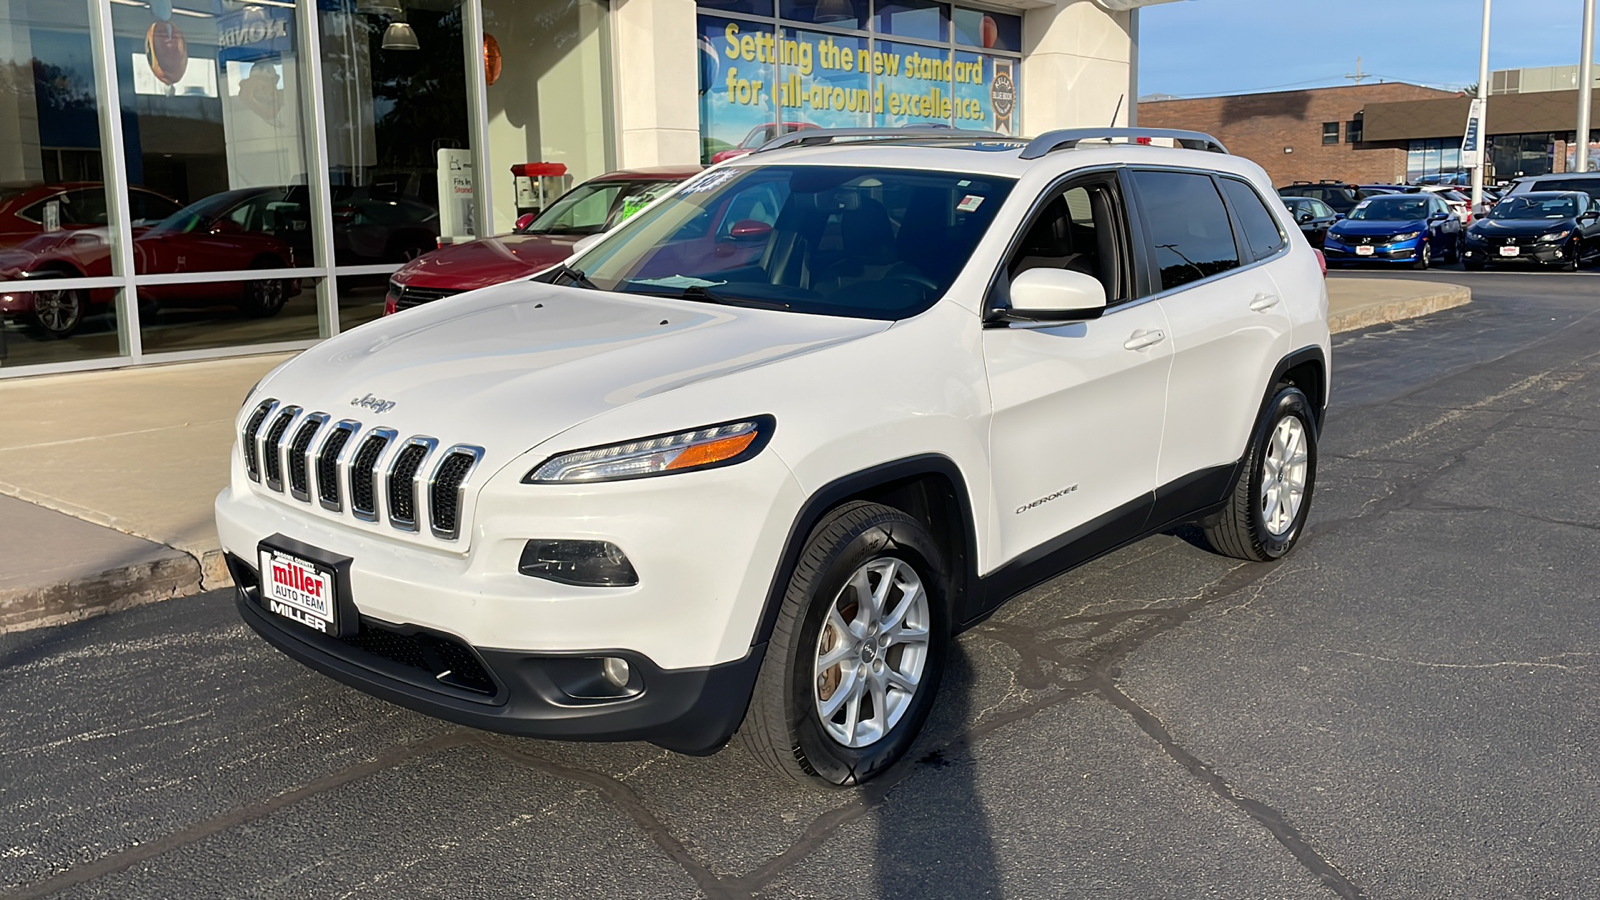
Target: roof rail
x,y
812,136
1068,138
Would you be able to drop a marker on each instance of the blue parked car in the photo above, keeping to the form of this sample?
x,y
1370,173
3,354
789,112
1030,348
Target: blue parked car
x,y
1415,229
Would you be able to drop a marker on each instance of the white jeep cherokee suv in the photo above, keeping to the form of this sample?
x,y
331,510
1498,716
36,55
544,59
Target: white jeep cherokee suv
x,y
752,459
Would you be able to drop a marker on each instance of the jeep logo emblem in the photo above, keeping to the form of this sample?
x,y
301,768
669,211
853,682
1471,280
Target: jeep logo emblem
x,y
373,403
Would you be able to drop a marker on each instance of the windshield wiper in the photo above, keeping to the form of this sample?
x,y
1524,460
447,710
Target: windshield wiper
x,y
702,294
573,277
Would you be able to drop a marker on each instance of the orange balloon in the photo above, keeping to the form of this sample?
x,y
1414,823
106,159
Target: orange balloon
x,y
491,59
167,52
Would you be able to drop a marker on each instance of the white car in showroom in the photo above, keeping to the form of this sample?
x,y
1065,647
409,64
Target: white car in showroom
x,y
750,461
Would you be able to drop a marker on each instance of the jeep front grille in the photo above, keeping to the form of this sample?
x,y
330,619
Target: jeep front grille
x,y
448,487
272,448
328,464
252,431
363,474
402,481
344,465
299,456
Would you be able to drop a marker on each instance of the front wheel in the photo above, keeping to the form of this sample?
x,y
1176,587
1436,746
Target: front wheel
x,y
263,299
57,314
857,651
1424,257
1267,510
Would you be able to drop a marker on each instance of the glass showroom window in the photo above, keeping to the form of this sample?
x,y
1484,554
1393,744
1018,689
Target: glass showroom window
x,y
212,119
823,64
54,223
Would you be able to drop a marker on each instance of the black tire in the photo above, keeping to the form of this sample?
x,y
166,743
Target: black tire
x,y
1455,251
57,314
784,728
1241,529
264,299
1573,258
1424,256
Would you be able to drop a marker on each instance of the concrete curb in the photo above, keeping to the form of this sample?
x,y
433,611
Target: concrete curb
x,y
1418,298
23,609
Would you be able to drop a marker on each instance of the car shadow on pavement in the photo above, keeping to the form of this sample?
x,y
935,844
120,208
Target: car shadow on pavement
x,y
933,836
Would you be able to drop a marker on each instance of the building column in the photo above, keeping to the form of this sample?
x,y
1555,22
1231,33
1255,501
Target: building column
x,y
657,76
1076,64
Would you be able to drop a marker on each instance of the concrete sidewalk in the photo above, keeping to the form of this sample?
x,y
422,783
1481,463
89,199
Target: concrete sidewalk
x,y
119,470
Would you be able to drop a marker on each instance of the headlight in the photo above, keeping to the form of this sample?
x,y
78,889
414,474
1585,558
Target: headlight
x,y
700,448
1406,236
1554,236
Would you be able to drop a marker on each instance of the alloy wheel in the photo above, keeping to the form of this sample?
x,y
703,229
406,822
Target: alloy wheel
x,y
57,312
1283,475
871,652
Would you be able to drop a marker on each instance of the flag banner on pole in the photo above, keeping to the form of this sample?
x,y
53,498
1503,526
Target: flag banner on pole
x,y
1472,141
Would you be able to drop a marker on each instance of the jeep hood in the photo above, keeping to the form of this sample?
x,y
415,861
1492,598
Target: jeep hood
x,y
508,367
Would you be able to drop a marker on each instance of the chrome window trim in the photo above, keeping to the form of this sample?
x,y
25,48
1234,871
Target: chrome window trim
x,y
476,453
417,480
340,464
317,420
254,437
377,507
293,414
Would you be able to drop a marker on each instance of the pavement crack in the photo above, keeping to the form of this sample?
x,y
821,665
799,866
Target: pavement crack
x,y
1274,821
1543,662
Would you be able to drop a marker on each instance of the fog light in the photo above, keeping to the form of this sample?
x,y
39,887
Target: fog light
x,y
616,671
584,563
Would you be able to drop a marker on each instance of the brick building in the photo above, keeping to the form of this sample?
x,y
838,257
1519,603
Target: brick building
x,y
1306,135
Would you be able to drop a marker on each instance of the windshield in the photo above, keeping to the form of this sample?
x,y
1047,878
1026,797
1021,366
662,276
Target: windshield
x,y
1535,208
831,240
1391,208
595,206
196,214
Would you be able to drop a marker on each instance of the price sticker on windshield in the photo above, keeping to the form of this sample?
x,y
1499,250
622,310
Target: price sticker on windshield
x,y
1362,204
969,203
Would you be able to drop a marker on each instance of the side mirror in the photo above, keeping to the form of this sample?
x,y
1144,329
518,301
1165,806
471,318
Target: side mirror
x,y
749,231
1439,216
523,221
226,226
1055,295
1304,217
585,242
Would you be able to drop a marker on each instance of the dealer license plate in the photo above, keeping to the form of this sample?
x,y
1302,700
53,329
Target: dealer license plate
x,y
1363,251
299,589
1510,251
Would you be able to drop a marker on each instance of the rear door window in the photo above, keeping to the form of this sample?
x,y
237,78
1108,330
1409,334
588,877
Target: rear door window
x,y
1261,230
1190,233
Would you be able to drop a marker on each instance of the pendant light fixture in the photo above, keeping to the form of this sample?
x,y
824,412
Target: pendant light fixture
x,y
399,35
834,11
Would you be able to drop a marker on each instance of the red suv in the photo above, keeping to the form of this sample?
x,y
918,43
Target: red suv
x,y
538,242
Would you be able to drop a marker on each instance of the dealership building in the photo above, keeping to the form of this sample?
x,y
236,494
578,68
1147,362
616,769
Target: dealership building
x,y
197,178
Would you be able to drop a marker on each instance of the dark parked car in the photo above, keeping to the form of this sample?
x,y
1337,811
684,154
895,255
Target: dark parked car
x,y
1553,228
1414,229
232,230
1337,194
537,244
1373,190
1313,216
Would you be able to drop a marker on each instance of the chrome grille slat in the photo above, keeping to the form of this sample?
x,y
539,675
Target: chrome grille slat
x,y
447,489
272,447
401,484
251,435
364,473
330,459
300,456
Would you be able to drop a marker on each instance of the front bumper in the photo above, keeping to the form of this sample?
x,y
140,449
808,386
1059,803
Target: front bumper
x,y
1538,253
691,711
1408,251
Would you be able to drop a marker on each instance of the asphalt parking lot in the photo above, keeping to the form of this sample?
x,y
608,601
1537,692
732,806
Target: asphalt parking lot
x,y
1408,706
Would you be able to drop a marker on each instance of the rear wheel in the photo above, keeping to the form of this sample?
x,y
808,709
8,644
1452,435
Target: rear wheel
x,y
57,314
857,652
1268,507
264,298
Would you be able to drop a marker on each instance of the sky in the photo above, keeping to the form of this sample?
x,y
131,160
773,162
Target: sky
x,y
1208,47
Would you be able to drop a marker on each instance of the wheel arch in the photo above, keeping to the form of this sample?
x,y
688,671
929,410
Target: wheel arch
x,y
928,487
1306,369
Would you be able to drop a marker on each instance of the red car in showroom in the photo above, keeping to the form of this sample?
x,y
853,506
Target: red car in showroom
x,y
249,228
537,243
758,136
71,206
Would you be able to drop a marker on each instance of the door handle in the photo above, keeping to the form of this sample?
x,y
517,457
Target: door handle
x,y
1264,302
1143,339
